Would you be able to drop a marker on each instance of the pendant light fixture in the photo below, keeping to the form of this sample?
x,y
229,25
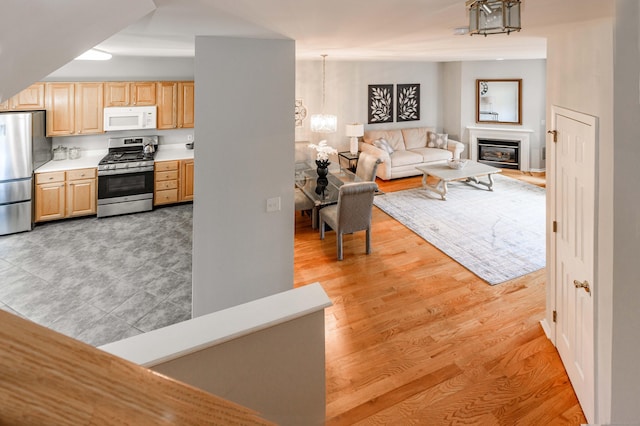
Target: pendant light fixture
x,y
324,123
493,16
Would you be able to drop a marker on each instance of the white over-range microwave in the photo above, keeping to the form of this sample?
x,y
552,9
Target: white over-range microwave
x,y
130,118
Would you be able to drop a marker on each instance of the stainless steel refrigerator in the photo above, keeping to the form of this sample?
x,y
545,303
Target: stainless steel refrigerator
x,y
23,148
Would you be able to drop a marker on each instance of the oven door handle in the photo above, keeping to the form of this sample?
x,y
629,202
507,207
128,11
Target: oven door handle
x,y
125,171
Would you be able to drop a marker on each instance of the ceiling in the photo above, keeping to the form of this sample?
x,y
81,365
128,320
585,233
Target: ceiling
x,y
350,29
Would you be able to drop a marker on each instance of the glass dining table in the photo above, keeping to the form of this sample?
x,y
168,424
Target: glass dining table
x,y
306,179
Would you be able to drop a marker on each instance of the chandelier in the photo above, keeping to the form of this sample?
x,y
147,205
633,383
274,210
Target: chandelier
x,y
493,16
324,123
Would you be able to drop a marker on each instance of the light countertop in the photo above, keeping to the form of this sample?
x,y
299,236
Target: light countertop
x,y
87,159
92,158
174,151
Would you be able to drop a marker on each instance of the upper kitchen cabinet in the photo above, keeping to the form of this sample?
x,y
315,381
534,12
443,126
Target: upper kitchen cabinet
x,y
31,98
74,108
175,104
125,93
89,105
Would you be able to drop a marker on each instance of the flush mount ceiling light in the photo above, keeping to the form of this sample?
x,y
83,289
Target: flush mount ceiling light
x,y
493,16
94,55
324,123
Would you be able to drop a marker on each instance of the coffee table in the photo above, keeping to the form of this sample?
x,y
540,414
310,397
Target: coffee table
x,y
445,174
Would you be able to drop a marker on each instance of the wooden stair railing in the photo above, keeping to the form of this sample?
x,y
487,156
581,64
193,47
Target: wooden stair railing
x,y
49,378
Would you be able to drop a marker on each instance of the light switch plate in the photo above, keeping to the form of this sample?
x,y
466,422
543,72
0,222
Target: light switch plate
x,y
273,204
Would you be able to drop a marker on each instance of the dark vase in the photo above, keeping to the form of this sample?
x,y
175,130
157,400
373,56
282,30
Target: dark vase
x,y
322,181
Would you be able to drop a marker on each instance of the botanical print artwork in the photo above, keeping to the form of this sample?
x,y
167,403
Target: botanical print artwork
x,y
408,102
380,103
300,112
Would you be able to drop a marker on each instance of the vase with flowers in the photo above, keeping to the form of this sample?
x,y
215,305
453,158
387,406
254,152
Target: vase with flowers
x,y
322,161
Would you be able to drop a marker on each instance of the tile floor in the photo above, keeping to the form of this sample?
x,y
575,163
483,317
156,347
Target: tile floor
x,y
101,280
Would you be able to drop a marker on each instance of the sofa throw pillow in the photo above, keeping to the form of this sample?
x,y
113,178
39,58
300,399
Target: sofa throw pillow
x,y
437,140
383,144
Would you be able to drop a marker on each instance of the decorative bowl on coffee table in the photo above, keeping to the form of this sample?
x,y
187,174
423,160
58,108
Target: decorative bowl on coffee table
x,y
457,164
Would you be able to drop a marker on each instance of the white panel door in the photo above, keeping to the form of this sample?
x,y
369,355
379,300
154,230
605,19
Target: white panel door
x,y
575,212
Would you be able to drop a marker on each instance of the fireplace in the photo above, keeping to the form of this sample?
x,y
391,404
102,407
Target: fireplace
x,y
513,146
504,154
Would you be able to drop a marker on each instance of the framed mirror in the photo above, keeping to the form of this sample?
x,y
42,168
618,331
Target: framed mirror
x,y
499,101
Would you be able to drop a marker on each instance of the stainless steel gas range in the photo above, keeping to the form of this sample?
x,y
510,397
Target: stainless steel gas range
x,y
125,176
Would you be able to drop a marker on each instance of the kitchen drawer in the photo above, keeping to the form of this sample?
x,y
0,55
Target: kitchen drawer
x,y
49,177
172,175
166,184
166,197
163,166
81,174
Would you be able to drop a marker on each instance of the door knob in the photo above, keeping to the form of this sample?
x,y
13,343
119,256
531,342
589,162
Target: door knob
x,y
584,284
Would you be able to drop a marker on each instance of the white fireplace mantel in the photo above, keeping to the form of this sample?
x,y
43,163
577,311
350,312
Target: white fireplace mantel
x,y
520,135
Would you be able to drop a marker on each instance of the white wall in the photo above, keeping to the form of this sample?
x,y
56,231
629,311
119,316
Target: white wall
x,y
346,93
626,219
580,77
244,155
125,68
460,81
267,354
38,36
452,101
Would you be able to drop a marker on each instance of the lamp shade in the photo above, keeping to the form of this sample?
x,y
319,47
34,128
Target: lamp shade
x,y
324,123
354,130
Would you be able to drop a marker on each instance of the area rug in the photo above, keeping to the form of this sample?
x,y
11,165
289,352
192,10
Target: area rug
x,y
498,235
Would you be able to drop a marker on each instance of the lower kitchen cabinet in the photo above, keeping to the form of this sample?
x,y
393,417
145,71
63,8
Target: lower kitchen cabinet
x,y
173,182
49,196
81,192
186,180
65,194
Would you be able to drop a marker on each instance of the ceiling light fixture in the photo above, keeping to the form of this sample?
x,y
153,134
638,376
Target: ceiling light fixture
x,y
324,123
94,55
493,16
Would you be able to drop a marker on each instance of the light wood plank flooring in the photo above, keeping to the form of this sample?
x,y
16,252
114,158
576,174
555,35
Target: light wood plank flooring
x,y
415,338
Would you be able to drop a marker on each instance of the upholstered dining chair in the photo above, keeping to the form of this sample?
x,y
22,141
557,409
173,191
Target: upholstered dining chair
x,y
303,203
367,167
351,214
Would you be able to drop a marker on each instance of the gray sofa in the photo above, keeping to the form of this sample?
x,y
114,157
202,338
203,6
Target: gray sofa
x,y
407,148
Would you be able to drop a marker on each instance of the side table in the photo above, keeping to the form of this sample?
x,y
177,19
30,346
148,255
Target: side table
x,y
352,160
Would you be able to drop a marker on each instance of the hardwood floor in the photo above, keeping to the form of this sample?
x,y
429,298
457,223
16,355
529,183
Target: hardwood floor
x,y
414,338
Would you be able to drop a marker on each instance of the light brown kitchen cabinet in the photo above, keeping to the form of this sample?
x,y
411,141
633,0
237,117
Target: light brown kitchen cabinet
x,y
49,196
173,182
176,104
60,105
31,98
167,92
89,108
128,93
81,192
143,93
186,180
116,93
74,108
60,195
166,183
186,104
